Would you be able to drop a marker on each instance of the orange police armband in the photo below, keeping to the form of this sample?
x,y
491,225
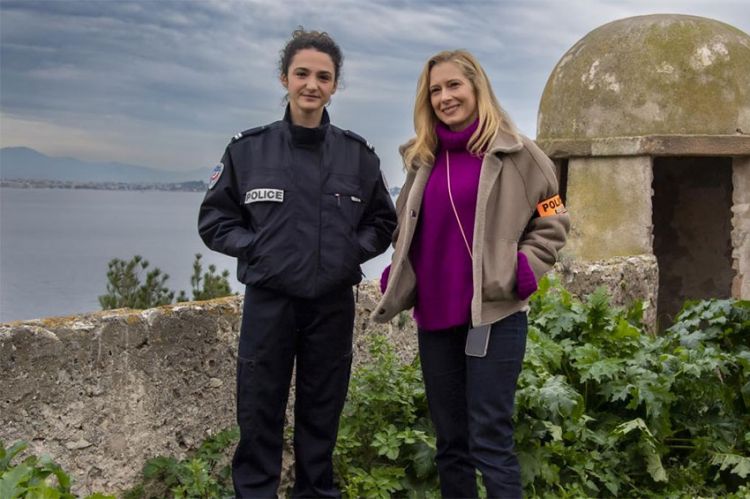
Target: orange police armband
x,y
551,206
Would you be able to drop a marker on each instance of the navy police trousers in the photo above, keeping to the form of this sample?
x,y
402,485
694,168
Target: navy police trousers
x,y
278,330
471,406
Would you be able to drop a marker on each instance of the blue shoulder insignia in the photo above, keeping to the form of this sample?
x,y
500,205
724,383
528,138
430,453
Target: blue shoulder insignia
x,y
359,138
248,132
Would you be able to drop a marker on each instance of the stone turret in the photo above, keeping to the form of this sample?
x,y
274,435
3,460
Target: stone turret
x,y
648,121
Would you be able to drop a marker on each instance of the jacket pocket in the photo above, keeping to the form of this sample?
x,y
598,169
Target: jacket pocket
x,y
345,191
350,207
339,246
253,271
499,270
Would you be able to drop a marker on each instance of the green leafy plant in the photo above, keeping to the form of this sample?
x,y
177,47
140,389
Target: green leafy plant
x,y
386,445
605,409
34,477
205,474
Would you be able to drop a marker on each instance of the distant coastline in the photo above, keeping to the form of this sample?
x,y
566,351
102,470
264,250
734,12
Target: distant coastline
x,y
189,186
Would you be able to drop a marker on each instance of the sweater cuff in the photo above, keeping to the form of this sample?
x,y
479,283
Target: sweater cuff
x,y
384,279
525,280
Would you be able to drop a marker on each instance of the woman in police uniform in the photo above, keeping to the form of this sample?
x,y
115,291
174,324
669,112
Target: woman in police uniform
x,y
301,204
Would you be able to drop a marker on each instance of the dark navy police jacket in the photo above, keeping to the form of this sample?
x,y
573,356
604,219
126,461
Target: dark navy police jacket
x,y
299,208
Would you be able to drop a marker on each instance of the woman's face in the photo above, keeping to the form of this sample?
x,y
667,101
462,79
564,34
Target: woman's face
x,y
310,81
452,96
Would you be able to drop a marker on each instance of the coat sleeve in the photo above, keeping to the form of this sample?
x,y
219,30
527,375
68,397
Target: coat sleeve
x,y
545,235
222,222
403,196
378,221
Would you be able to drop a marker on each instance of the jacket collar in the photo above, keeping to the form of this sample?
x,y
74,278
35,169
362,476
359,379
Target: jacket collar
x,y
505,143
307,136
324,120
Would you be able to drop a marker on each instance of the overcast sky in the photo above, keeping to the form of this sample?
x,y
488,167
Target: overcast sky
x,y
165,83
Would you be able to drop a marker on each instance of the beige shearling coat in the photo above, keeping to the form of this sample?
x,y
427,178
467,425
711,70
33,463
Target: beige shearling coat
x,y
515,177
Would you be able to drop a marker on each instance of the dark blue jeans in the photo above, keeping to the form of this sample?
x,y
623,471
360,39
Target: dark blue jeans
x,y
471,406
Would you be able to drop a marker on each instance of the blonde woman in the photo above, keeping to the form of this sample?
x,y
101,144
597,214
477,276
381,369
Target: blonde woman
x,y
479,222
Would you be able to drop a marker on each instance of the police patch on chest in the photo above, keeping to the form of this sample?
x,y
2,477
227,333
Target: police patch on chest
x,y
264,195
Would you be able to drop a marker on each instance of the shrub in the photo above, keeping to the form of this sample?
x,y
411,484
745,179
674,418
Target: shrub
x,y
207,285
205,474
125,289
386,444
605,409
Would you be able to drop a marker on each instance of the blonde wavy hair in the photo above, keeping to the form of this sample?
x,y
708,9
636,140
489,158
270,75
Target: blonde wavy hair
x,y
420,151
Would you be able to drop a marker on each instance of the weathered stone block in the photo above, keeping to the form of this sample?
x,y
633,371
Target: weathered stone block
x,y
610,204
627,280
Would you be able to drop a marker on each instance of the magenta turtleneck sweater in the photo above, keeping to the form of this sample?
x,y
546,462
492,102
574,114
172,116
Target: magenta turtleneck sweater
x,y
438,252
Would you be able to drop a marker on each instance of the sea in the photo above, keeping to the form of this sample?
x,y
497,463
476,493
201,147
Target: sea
x,y
55,245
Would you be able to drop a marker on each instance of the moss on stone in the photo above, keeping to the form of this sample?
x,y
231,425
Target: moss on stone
x,y
658,74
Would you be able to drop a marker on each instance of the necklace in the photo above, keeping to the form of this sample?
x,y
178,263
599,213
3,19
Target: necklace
x,y
453,205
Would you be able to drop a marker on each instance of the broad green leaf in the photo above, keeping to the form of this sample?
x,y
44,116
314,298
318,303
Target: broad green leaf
x,y
554,430
654,465
739,465
634,424
12,480
559,397
423,460
43,491
6,456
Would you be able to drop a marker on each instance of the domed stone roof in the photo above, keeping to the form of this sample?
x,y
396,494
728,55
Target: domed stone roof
x,y
663,74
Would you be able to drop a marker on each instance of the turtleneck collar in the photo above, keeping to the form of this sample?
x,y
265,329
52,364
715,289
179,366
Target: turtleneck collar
x,y
307,136
455,141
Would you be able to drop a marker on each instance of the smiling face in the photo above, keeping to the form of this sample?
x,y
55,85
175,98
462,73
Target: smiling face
x,y
452,96
310,81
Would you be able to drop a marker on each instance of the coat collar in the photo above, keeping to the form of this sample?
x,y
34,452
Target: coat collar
x,y
505,142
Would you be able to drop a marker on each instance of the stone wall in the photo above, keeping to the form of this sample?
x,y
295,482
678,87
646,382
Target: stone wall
x,y
103,392
627,279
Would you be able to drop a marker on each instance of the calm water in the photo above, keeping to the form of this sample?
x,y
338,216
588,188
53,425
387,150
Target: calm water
x,y
55,245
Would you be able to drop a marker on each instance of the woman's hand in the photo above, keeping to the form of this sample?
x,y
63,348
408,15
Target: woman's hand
x,y
525,280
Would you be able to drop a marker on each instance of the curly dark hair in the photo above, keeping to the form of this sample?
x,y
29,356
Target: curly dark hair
x,y
318,40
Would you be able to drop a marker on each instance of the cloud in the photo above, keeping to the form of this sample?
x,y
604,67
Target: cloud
x,y
166,83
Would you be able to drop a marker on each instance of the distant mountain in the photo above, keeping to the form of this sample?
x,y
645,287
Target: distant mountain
x,y
27,163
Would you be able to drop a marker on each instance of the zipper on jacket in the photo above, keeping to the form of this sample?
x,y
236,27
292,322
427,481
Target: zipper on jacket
x,y
319,198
